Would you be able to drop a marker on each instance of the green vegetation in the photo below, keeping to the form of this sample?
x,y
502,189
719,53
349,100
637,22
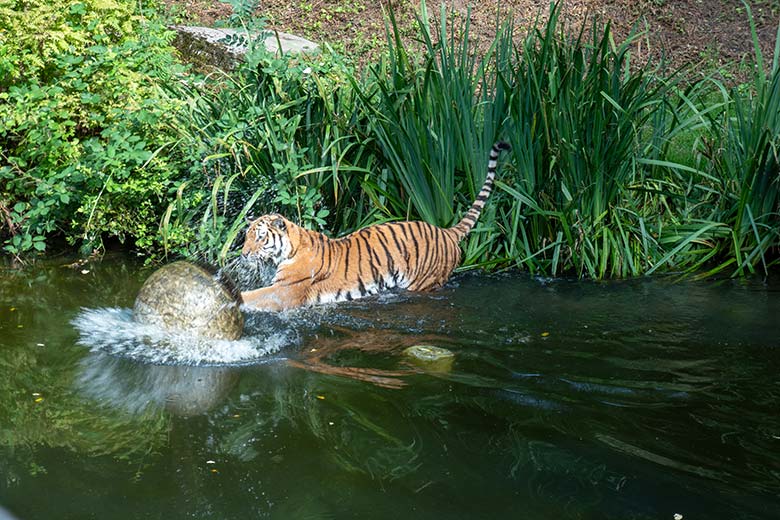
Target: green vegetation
x,y
615,171
745,161
82,122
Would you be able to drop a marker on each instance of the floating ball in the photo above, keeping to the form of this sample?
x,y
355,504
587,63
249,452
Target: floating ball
x,y
186,297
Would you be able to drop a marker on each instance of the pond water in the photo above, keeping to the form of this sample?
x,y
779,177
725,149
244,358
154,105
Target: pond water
x,y
566,399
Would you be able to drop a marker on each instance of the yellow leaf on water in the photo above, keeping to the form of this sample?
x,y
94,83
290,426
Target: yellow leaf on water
x,y
545,334
320,397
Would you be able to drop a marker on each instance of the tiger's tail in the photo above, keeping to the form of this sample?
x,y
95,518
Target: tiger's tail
x,y
463,227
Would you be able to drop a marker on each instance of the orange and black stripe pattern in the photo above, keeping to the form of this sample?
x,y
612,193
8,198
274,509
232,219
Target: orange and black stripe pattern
x,y
313,268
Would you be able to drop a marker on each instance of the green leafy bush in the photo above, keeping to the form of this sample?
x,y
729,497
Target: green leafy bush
x,y
81,122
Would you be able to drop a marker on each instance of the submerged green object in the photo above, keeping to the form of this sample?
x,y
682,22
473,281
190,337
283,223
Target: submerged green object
x,y
186,297
432,358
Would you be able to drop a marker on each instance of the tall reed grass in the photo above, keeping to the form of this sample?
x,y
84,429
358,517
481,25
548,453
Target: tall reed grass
x,y
427,116
744,155
615,170
578,116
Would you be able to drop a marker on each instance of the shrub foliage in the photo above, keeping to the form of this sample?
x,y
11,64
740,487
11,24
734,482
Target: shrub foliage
x,y
82,122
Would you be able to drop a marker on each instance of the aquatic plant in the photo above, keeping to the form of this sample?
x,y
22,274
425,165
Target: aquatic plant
x,y
427,116
579,118
584,183
744,155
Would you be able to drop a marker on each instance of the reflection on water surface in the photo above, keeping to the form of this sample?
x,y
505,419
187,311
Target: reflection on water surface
x,y
566,399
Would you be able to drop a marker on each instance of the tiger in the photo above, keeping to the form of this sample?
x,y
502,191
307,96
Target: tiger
x,y
312,268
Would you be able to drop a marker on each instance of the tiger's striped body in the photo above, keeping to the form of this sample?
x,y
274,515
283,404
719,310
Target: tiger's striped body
x,y
313,268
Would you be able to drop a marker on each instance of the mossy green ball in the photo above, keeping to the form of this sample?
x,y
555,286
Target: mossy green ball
x,y
186,297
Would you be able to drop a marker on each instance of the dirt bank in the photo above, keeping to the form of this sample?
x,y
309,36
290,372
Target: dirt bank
x,y
701,33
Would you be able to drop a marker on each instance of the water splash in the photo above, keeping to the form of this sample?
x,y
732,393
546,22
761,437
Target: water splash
x,y
115,331
247,273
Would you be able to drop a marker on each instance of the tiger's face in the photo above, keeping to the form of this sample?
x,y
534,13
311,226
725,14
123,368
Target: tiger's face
x,y
268,239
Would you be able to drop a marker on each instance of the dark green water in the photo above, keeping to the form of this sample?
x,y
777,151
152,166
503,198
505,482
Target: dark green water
x,y
621,400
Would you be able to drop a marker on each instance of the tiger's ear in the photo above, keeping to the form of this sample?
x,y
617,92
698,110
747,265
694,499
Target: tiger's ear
x,y
278,223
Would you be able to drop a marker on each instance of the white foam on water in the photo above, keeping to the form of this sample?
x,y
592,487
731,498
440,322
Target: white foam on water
x,y
114,331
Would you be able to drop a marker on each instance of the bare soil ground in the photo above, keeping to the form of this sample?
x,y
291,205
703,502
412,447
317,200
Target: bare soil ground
x,y
701,33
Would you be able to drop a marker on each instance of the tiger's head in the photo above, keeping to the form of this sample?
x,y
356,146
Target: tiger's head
x,y
268,238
